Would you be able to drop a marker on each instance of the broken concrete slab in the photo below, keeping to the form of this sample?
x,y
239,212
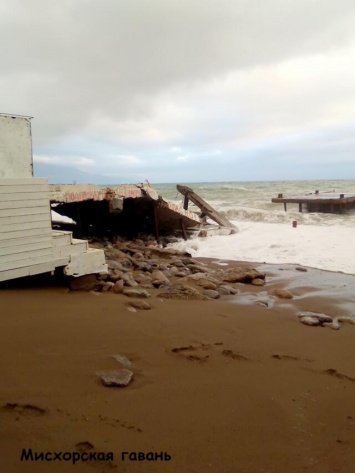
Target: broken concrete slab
x,y
116,378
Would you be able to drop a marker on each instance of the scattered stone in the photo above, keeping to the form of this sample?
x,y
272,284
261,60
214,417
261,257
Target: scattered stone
x,y
181,291
186,261
167,253
122,360
113,264
223,291
108,286
197,268
346,319
139,304
263,303
159,279
143,278
211,294
312,321
281,293
206,284
118,287
131,309
102,276
114,277
317,315
96,293
96,244
258,282
142,264
131,283
231,289
120,272
238,274
198,277
335,325
85,283
180,274
178,263
116,378
300,268
136,293
162,267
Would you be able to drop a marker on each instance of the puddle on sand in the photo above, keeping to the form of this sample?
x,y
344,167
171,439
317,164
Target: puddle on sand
x,y
337,288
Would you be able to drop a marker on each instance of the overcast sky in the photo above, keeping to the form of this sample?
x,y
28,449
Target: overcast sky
x,y
184,90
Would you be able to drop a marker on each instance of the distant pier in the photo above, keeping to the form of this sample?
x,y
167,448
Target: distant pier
x,y
322,202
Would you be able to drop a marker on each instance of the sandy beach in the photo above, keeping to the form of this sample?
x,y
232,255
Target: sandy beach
x,y
223,386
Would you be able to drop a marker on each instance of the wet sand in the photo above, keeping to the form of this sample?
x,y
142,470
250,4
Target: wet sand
x,y
223,386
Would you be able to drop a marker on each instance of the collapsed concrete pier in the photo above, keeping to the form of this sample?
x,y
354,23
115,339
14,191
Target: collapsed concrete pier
x,y
133,210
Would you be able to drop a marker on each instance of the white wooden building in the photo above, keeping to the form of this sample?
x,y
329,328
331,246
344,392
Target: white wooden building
x,y
28,245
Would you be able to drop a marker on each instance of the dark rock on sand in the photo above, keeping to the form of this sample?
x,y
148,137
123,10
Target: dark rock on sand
x,y
238,274
197,268
118,287
108,286
85,283
159,279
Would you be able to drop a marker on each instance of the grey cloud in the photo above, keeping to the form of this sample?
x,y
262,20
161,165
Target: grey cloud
x,y
98,74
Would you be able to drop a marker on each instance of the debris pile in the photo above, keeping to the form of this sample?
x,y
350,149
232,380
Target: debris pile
x,y
134,210
137,268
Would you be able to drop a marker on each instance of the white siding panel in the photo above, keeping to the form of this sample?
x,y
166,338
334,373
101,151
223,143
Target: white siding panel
x,y
12,227
23,254
25,219
26,262
26,240
28,181
24,196
27,271
20,189
25,233
24,246
25,211
24,204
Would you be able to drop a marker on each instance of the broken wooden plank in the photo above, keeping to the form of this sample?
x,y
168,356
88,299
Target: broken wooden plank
x,y
205,208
